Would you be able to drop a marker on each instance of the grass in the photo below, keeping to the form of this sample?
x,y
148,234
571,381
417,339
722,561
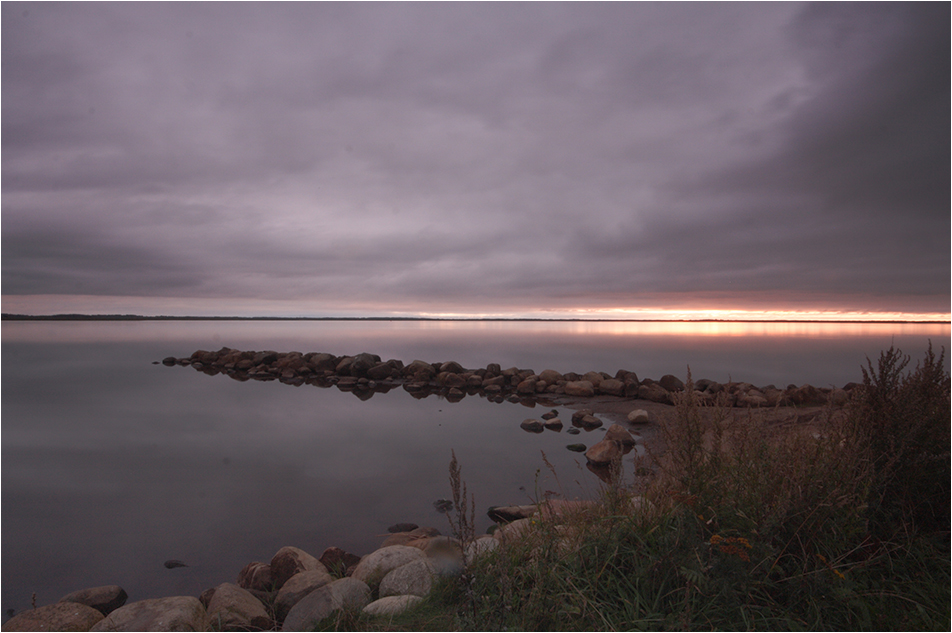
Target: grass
x,y
844,527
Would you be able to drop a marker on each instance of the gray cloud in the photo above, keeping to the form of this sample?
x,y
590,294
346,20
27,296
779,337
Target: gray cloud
x,y
503,154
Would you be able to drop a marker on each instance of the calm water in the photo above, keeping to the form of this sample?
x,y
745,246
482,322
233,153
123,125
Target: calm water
x,y
112,465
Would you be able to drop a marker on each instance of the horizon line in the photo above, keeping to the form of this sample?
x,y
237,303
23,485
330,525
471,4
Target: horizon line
x,y
140,317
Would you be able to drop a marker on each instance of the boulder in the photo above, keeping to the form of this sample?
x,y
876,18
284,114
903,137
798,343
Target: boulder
x,y
298,586
588,422
505,514
604,453
391,605
452,367
618,433
655,393
532,426
612,387
337,561
550,376
256,576
177,613
374,566
289,561
638,416
420,371
671,383
593,377
105,599
527,386
60,616
580,389
576,448
479,547
414,578
232,608
554,424
549,415
346,593
581,413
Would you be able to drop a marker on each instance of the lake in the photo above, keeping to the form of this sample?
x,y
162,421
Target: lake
x,y
112,464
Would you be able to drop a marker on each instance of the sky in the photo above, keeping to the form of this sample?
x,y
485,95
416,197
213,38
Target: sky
x,y
578,160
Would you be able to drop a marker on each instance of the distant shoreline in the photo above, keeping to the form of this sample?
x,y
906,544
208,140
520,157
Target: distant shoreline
x,y
137,317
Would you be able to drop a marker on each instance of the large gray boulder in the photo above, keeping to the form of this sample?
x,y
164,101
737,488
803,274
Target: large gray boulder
x,y
232,608
671,383
256,576
414,578
346,593
61,616
105,599
604,453
298,586
177,613
611,387
374,566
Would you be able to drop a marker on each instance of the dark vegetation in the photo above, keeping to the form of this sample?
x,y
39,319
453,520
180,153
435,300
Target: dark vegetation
x,y
843,526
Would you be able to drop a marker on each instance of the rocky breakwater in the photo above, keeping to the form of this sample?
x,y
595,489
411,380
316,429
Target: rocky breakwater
x,y
366,374
295,591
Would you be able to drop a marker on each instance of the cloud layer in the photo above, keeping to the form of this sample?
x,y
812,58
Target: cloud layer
x,y
479,157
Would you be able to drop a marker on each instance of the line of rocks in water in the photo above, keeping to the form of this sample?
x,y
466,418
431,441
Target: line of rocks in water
x,y
295,590
366,374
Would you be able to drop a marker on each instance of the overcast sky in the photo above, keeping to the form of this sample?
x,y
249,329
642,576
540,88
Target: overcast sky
x,y
344,159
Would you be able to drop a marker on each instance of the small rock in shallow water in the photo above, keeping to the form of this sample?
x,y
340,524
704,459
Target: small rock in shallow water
x,y
443,505
578,448
172,564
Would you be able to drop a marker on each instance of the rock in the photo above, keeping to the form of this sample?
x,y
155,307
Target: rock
x,y
671,383
177,613
839,397
618,433
61,616
420,371
337,561
550,376
581,413
169,361
232,608
391,605
256,576
505,514
638,416
172,564
604,453
550,415
589,422
527,386
105,599
289,561
512,531
450,380
577,448
443,505
532,426
374,566
414,578
580,389
479,547
655,393
573,431
554,424
452,367
594,377
298,586
612,387
346,593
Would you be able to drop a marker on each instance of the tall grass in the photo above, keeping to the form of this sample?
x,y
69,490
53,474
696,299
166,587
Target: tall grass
x,y
838,526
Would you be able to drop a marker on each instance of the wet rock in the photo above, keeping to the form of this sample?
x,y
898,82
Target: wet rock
x,y
169,361
61,616
177,613
548,415
505,514
553,424
588,422
452,367
612,387
581,413
105,599
618,433
532,426
604,453
573,431
551,376
654,393
576,448
443,505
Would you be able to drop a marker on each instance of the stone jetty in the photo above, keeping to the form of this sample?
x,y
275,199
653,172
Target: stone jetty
x,y
295,590
366,374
